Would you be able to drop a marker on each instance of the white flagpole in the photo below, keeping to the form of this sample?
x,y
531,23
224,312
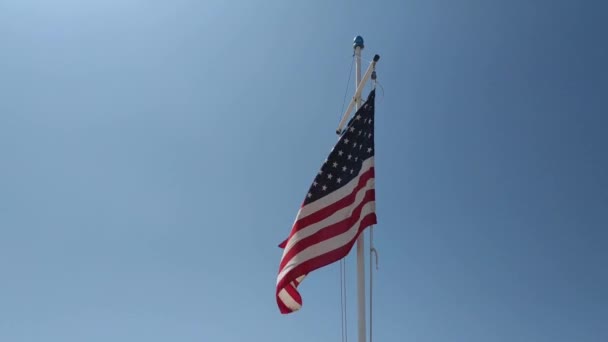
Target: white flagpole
x,y
358,46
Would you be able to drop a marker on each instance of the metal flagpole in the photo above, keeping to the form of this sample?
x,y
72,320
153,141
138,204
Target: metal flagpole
x,y
358,46
356,102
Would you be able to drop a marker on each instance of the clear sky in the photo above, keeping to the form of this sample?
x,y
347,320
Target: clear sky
x,y
154,153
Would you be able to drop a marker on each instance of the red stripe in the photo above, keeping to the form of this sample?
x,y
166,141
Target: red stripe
x,y
282,307
327,211
327,258
293,293
329,231
335,254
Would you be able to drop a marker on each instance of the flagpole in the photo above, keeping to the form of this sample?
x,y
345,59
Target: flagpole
x,y
358,46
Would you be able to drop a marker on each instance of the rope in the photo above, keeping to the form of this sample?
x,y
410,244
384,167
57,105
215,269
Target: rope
x,y
371,282
347,86
343,300
372,253
342,297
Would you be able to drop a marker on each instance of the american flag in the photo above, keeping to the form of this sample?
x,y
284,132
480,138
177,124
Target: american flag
x,y
339,205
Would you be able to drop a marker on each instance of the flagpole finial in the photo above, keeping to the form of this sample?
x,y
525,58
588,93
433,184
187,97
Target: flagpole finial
x,y
358,42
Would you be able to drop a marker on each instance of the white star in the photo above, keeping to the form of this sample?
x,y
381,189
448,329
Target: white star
x,y
354,144
361,131
369,135
356,158
346,141
352,129
343,168
351,171
314,183
349,156
360,146
358,117
329,176
309,195
340,153
335,164
339,180
370,121
324,188
369,149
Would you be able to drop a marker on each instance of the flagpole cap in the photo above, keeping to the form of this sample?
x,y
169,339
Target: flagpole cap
x,y
358,43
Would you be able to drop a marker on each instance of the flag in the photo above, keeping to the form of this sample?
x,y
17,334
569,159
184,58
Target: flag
x,y
339,205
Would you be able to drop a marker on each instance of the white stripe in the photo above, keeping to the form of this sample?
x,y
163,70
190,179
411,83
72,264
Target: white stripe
x,y
288,301
334,218
336,195
328,245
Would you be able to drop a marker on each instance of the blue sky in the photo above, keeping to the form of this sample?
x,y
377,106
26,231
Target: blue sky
x,y
153,155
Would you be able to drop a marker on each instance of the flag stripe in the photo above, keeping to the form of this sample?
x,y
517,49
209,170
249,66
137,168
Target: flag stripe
x,y
295,296
334,229
337,216
331,256
341,248
346,229
318,231
286,302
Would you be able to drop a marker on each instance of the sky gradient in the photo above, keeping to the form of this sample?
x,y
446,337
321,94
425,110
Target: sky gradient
x,y
153,155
